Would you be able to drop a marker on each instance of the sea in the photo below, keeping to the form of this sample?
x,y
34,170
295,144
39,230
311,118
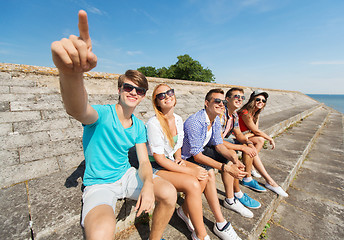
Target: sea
x,y
335,101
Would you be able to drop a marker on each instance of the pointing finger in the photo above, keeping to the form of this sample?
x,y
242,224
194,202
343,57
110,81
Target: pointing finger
x,y
83,29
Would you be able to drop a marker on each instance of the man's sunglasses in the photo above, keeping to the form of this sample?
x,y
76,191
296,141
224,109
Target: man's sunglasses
x,y
218,101
259,99
139,90
238,97
163,95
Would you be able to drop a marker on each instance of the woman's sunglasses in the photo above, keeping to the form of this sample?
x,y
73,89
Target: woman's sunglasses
x,y
218,101
259,99
139,90
163,95
238,97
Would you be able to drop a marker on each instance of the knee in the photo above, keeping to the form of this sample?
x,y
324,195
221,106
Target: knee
x,y
193,186
103,228
167,194
211,176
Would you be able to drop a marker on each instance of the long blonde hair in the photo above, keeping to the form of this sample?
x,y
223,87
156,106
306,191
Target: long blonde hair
x,y
160,116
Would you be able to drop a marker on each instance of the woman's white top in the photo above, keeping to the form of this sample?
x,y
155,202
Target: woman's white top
x,y
157,140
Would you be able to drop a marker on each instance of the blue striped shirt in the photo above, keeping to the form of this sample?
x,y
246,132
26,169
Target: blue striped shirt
x,y
195,131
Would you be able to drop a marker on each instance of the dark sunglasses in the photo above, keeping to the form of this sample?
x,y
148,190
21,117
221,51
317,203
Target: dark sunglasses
x,y
218,101
163,95
139,90
259,99
238,97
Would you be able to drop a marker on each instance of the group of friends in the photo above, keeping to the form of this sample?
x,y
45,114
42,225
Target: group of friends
x,y
174,156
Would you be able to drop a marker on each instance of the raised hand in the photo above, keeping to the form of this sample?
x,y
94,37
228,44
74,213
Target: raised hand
x,y
74,55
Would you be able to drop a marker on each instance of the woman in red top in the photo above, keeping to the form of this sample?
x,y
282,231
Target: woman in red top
x,y
248,122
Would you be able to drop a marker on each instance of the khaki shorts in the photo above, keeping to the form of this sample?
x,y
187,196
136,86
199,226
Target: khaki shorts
x,y
129,186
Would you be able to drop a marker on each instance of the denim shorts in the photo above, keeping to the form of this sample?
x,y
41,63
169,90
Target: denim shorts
x,y
129,186
212,153
232,140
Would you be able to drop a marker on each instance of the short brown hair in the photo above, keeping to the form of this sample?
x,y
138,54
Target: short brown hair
x,y
135,76
210,93
229,92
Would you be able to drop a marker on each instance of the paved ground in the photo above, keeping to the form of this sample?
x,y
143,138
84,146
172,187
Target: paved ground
x,y
315,208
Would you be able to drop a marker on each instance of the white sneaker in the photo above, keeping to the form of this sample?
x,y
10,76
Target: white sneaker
x,y
187,220
255,173
238,207
194,237
277,190
226,233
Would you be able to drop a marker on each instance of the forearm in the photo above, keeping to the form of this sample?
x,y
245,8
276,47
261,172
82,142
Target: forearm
x,y
74,94
145,172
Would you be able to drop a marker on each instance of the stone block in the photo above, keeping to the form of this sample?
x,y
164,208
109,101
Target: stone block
x,y
67,133
56,205
49,149
4,89
9,117
51,114
35,105
18,82
18,173
4,106
9,157
32,89
5,128
16,140
4,76
41,125
10,97
71,160
14,214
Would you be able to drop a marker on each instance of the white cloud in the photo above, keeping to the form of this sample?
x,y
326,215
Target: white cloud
x,y
132,53
327,63
94,10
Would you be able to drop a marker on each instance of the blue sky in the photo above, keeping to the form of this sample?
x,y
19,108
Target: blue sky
x,y
280,44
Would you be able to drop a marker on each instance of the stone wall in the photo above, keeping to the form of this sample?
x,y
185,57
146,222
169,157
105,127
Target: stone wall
x,y
38,138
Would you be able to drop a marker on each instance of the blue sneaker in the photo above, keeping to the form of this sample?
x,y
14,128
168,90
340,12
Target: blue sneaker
x,y
249,202
253,184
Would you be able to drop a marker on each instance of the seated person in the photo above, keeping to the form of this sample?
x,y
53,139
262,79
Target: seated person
x,y
236,141
249,122
203,145
165,138
109,132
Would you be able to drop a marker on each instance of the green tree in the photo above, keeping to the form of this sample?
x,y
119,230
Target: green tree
x,y
148,71
185,68
188,69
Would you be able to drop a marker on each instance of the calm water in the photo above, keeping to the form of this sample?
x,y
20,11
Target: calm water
x,y
335,101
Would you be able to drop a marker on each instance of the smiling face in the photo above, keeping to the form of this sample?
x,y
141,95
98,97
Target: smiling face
x,y
129,99
169,100
212,107
260,101
235,100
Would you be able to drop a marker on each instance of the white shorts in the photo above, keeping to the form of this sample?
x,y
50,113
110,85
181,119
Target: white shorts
x,y
129,186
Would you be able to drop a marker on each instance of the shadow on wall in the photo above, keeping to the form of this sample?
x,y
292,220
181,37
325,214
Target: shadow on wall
x,y
72,180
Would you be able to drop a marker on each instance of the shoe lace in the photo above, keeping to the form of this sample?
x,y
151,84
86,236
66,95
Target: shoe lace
x,y
228,229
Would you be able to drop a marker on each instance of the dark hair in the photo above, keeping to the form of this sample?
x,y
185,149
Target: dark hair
x,y
210,93
250,105
229,92
135,76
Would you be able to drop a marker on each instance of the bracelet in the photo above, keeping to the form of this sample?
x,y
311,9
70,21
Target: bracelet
x,y
223,167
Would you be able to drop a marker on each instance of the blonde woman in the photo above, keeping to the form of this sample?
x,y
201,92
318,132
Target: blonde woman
x,y
165,139
249,125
